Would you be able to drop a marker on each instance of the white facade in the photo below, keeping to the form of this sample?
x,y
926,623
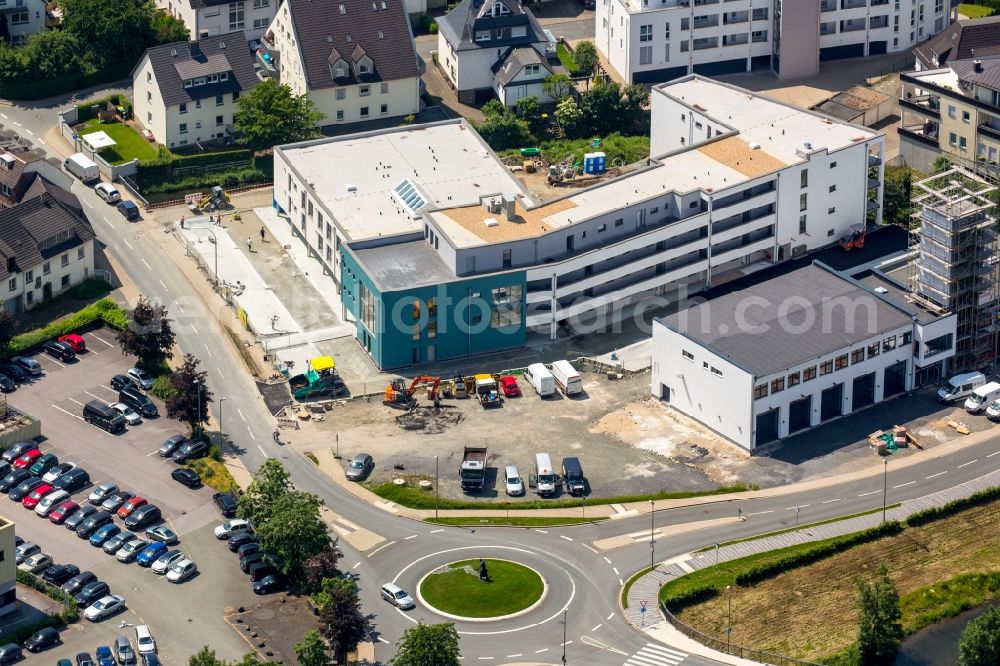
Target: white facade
x,y
657,40
49,278
469,69
251,16
528,82
24,18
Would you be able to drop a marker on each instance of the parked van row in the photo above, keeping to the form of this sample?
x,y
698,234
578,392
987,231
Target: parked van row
x,y
562,376
544,478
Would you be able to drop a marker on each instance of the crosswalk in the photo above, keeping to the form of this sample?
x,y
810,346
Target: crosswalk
x,y
655,654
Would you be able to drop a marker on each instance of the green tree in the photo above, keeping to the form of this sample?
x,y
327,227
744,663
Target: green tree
x,y
322,566
557,85
941,164
271,114
602,108
147,336
880,627
896,190
269,484
570,117
428,645
980,641
8,328
634,115
206,657
189,399
530,112
503,131
168,29
343,623
113,30
11,62
585,55
293,531
493,107
52,53
312,650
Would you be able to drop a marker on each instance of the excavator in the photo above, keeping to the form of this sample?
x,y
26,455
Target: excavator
x,y
399,396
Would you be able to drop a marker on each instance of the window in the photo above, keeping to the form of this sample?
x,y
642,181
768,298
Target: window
x,y
802,224
64,260
197,104
777,385
219,101
831,210
367,308
507,258
965,117
364,91
686,354
12,284
645,55
197,124
236,95
619,222
760,392
431,307
260,24
874,349
803,201
793,379
416,332
506,307
259,4
952,138
340,115
149,97
384,109
149,77
29,276
645,33
219,121
857,356
184,108
962,144
804,178
833,188
826,367
432,330
716,371
47,268
841,362
666,32
364,112
19,18
383,89
937,345
951,111
64,282
889,343
236,16
833,165
809,373
183,128
601,228
416,310
341,93
905,338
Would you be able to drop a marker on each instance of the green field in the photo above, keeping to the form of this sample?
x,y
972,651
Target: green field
x,y
129,144
511,588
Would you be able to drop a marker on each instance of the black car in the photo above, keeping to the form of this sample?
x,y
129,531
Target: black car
x,y
78,582
91,524
58,574
6,383
191,451
22,489
79,516
91,592
186,477
128,209
252,558
248,549
225,503
41,639
150,659
170,446
59,350
15,372
240,539
18,449
268,584
13,478
10,653
259,570
73,480
118,382
84,659
143,517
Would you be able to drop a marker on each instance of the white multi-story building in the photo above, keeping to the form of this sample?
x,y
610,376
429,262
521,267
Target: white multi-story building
x,y
208,18
759,364
355,59
650,41
19,19
186,92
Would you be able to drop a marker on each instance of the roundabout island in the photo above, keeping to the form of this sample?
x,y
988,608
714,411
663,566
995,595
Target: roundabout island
x,y
482,590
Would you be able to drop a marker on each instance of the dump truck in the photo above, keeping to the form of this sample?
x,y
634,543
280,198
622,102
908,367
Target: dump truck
x,y
487,391
473,470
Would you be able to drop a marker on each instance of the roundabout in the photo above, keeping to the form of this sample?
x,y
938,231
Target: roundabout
x,y
482,590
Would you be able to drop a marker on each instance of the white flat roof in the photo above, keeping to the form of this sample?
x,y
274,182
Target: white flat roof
x,y
354,176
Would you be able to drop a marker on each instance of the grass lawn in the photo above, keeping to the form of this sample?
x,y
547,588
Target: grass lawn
x,y
512,587
129,143
566,58
974,11
940,569
213,473
628,148
516,521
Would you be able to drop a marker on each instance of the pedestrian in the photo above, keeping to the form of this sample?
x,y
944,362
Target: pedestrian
x,y
182,221
262,233
740,514
249,245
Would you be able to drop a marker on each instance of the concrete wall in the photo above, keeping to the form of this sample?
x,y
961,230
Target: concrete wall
x,y
31,430
799,50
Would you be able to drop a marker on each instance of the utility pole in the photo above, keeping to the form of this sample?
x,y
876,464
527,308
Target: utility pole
x,y
729,621
437,493
564,635
222,401
885,484
652,541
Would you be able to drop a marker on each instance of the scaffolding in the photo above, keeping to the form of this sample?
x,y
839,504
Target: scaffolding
x,y
954,236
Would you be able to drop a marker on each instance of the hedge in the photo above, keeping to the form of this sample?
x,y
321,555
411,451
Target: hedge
x,y
33,88
163,166
70,611
764,571
104,310
690,597
953,507
244,176
84,113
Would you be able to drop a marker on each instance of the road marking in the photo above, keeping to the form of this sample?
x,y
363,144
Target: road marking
x,y
385,545
593,550
262,450
17,123
209,351
220,373
871,493
610,616
934,475
967,464
800,506
606,559
42,141
163,285
587,640
65,412
760,513
993,454
615,569
908,483
412,536
29,131
4,115
125,240
382,640
563,536
541,651
108,222
146,264
542,531
240,412
567,642
436,531
194,329
356,565
620,582
94,335
511,656
486,658
89,205
254,438
598,627
832,501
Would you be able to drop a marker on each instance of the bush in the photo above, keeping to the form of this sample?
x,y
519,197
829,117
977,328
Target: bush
x,y
690,597
976,499
104,310
215,452
22,88
84,113
24,633
70,612
224,178
162,388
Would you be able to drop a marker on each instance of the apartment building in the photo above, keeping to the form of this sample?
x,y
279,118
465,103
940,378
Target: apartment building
x,y
210,18
19,170
650,41
19,19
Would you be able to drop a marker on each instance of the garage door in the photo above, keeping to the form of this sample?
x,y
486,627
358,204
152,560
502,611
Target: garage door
x,y
895,379
830,403
863,391
767,427
800,414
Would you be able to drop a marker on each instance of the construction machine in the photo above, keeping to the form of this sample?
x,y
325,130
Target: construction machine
x,y
856,239
487,391
217,199
400,396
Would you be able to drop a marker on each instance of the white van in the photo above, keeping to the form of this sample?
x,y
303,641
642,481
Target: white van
x,y
961,386
567,378
544,477
993,411
982,397
540,379
82,167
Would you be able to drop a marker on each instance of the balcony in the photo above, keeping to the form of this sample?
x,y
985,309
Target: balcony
x,y
878,22
852,4
928,105
874,160
735,40
852,25
735,17
828,6
711,21
989,130
926,133
705,43
828,28
873,183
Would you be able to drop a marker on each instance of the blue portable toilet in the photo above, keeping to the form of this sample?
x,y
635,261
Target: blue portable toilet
x,y
594,163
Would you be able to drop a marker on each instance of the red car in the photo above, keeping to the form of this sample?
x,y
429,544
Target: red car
x,y
510,387
32,500
27,459
128,507
75,341
63,511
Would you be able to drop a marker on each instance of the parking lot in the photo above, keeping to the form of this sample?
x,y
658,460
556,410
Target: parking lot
x,y
129,460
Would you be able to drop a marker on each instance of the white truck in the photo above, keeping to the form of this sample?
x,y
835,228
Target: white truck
x,y
567,378
983,397
82,167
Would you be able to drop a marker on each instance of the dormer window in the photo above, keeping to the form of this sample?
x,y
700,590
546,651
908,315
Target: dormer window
x,y
482,35
499,10
187,83
363,68
224,76
339,69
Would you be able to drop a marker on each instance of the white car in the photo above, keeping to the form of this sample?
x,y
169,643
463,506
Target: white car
x,y
131,550
144,640
131,418
167,560
397,596
108,192
104,607
36,563
49,502
143,378
181,571
103,492
57,471
232,527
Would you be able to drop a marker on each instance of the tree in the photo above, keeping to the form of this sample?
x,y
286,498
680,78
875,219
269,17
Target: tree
x,y
270,482
880,627
980,641
148,335
428,645
321,566
312,650
897,186
271,114
941,164
190,397
530,112
206,657
557,85
52,53
113,30
492,108
168,29
602,107
344,625
634,116
293,531
8,328
585,55
503,131
570,117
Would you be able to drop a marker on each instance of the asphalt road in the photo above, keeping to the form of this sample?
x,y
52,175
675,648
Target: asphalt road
x,y
584,582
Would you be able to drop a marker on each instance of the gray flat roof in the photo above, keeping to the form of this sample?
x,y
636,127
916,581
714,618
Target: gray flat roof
x,y
403,266
898,294
788,320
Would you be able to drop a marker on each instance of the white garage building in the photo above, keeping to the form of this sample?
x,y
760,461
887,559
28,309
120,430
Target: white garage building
x,y
784,355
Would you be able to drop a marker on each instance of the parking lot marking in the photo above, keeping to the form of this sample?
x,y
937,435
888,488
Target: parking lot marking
x,y
607,560
163,285
108,388
76,401
871,493
412,536
240,412
194,329
967,464
91,351
615,569
99,338
262,450
908,483
597,627
356,565
42,141
56,362
251,433
65,412
220,373
108,222
993,454
610,616
934,475
29,131
385,545
88,203
92,395
563,536
145,263
151,453
209,351
125,240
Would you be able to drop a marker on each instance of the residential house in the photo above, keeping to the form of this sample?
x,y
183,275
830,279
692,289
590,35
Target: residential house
x,y
19,169
965,39
21,18
522,73
210,18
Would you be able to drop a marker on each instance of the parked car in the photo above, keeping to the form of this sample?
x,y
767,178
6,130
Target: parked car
x,y
186,477
141,377
138,401
131,550
115,543
63,510
162,533
50,502
397,596
258,570
105,607
15,372
7,385
248,549
170,446
43,464
27,459
56,471
42,639
240,539
91,592
268,584
104,656
150,659
143,517
76,342
116,501
150,553
128,209
79,516
21,490
144,639
252,558
72,481
59,350
225,503
10,653
35,496
14,451
509,386
118,382
4,468
13,478
164,561
36,563
58,574
190,451
25,550
78,582
360,467
101,536
129,507
28,364
513,484
181,571
92,524
102,492
231,527
84,659
131,418
123,651
108,192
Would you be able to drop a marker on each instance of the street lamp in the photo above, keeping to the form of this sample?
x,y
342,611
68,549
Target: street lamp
x,y
436,491
221,402
198,384
652,541
564,636
885,484
716,554
729,621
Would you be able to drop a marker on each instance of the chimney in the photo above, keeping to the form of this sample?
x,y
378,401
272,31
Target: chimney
x,y
977,66
510,208
195,50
